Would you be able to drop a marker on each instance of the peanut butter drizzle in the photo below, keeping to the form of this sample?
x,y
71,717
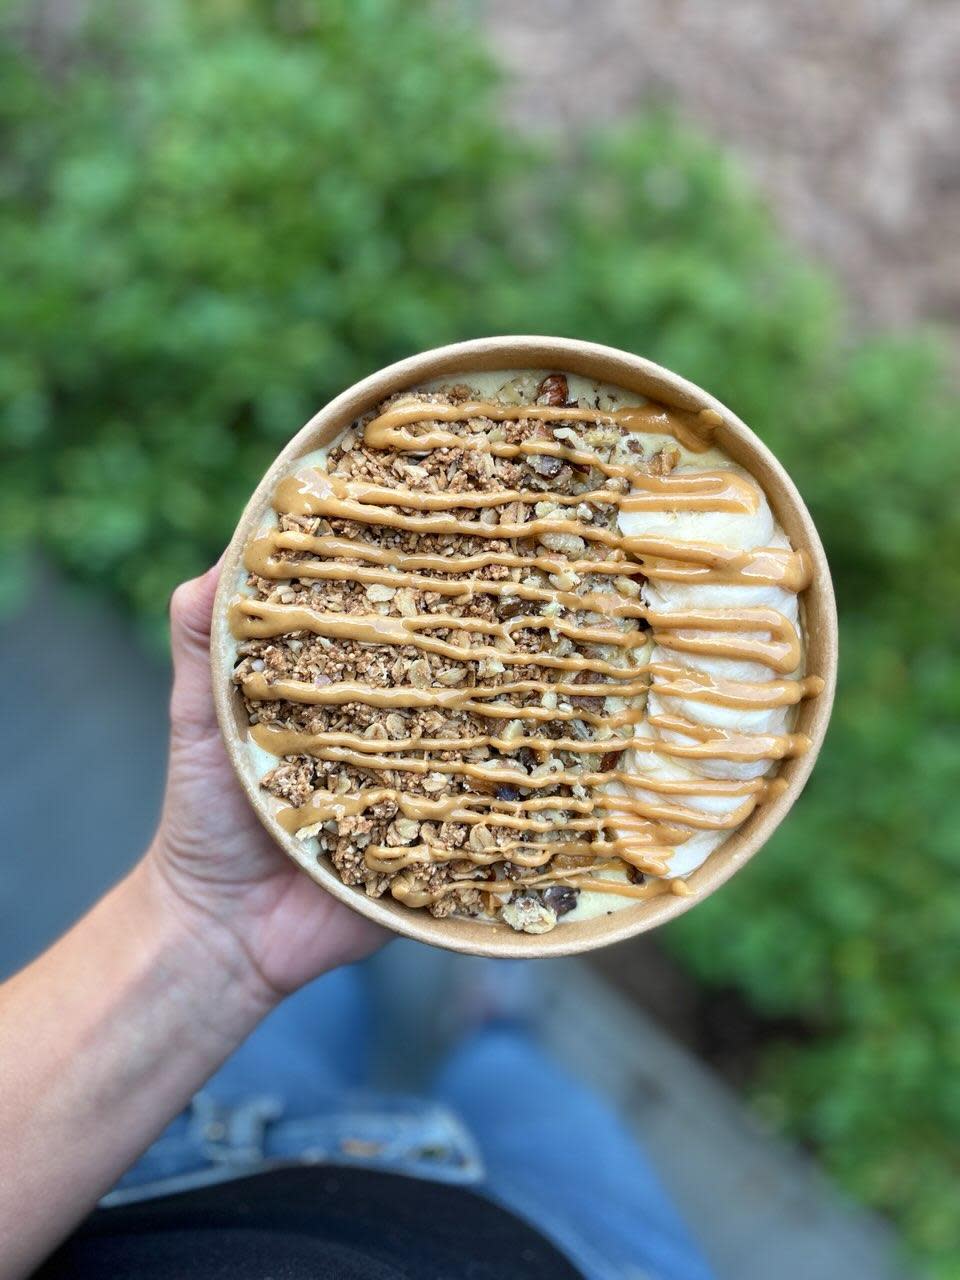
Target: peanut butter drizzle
x,y
719,743
324,805
245,623
761,567
311,494
608,603
747,695
605,602
451,699
258,689
782,651
296,742
402,888
263,618
702,491
510,777
525,853
693,430
626,830
666,558
389,860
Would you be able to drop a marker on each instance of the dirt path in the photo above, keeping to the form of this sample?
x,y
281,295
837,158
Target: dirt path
x,y
847,115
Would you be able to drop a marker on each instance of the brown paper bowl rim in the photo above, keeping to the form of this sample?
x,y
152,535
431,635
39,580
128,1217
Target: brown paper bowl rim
x,y
633,373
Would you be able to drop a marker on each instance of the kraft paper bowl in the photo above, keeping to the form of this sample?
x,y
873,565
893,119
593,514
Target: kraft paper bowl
x,y
603,364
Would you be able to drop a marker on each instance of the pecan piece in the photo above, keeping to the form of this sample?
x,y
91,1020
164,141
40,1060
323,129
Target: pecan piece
x,y
514,608
553,389
664,461
587,703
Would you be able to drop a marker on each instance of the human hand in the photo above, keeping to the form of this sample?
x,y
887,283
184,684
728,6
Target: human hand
x,y
211,859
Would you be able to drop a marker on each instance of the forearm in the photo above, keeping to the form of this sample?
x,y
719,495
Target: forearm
x,y
103,1040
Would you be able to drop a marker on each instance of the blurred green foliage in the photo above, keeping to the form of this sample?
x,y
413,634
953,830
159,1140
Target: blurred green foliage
x,y
213,218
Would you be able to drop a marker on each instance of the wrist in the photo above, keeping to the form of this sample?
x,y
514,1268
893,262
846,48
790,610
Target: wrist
x,y
206,966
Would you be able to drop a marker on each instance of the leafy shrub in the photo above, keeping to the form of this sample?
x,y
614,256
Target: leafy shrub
x,y
217,219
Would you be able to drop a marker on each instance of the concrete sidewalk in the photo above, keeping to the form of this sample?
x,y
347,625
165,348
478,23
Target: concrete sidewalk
x,y
82,771
82,776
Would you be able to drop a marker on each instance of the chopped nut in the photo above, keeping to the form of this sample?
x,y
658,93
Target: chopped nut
x,y
419,673
568,436
404,829
545,464
378,592
568,542
406,603
452,676
481,838
529,915
601,436
413,474
553,389
663,462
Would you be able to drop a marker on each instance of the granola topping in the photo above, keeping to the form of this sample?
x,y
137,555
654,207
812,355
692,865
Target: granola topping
x,y
463,633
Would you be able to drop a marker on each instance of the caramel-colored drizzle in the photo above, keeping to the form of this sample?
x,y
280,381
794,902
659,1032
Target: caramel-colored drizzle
x,y
703,562
620,828
388,430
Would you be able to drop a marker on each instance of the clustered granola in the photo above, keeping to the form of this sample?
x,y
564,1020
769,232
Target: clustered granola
x,y
465,851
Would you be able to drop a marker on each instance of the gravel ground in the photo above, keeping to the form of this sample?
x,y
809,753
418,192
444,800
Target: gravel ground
x,y
846,114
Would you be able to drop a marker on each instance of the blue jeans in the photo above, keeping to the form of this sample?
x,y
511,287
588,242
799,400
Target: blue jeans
x,y
501,1116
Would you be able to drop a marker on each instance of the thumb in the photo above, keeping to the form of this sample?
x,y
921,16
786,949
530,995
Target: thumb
x,y
191,608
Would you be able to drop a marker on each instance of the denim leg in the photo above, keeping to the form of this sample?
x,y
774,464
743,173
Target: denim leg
x,y
311,1048
560,1156
316,1043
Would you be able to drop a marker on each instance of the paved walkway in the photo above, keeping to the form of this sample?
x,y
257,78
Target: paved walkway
x,y
845,114
80,782
81,762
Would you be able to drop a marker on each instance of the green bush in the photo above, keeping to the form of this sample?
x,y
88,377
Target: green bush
x,y
214,220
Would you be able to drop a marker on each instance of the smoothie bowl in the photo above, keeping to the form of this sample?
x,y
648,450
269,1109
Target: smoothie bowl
x,y
523,646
